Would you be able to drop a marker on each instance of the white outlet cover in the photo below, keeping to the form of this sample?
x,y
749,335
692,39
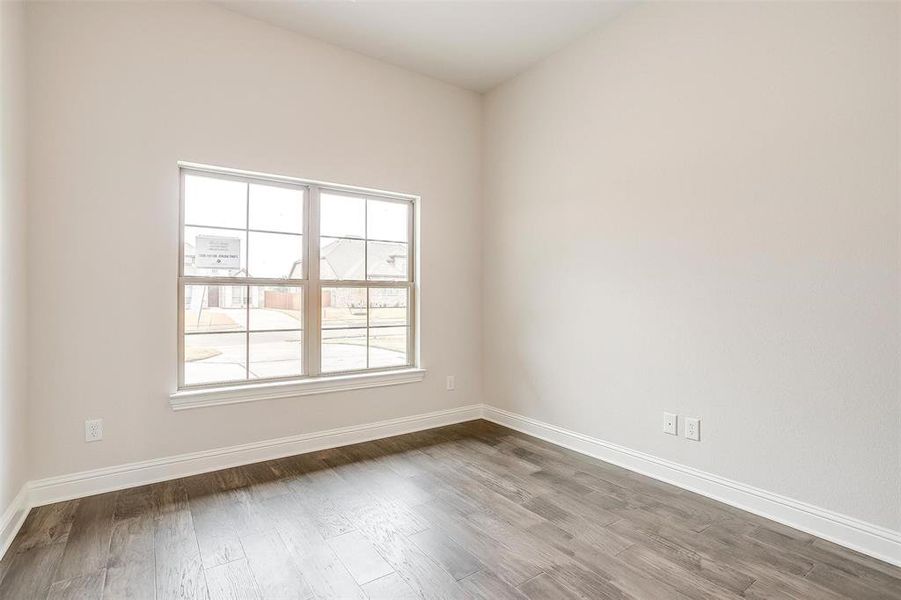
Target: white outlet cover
x,y
693,428
670,423
93,430
451,383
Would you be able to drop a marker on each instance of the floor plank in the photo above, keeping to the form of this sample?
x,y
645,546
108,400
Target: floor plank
x,y
544,586
447,553
30,573
87,545
130,570
321,568
390,587
275,569
179,570
485,585
421,573
310,479
213,511
86,587
232,581
360,557
46,525
327,576
509,564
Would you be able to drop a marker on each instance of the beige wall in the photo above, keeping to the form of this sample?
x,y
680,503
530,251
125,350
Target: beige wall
x,y
13,342
696,210
119,93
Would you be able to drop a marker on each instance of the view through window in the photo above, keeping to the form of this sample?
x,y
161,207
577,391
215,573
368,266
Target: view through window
x,y
284,279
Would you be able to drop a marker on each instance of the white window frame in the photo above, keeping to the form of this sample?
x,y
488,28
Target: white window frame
x,y
313,381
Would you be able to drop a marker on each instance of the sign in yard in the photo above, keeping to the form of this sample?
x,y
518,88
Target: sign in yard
x,y
216,252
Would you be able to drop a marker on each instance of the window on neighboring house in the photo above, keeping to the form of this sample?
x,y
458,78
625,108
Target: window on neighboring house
x,y
284,279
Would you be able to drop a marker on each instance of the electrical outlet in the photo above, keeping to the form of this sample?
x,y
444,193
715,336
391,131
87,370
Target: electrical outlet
x,y
669,423
693,428
93,430
451,384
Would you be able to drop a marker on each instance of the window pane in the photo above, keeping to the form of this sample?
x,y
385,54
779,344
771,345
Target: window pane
x,y
215,252
216,357
387,221
387,261
343,350
342,216
215,202
343,307
387,347
276,208
387,306
341,259
275,255
210,308
276,354
274,307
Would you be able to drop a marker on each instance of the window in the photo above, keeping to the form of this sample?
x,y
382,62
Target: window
x,y
287,280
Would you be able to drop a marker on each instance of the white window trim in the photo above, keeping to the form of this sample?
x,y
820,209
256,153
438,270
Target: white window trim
x,y
312,383
272,390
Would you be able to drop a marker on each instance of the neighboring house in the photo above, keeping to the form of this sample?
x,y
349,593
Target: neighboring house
x,y
345,257
340,257
387,261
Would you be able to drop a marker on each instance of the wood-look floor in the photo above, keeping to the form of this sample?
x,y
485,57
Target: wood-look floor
x,y
468,511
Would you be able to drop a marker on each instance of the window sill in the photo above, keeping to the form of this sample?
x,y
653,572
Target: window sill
x,y
186,399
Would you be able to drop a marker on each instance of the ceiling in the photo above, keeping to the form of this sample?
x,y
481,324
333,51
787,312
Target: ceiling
x,y
472,44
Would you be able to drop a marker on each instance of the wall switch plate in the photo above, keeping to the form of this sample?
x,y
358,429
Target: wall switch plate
x,y
693,428
451,384
669,423
93,430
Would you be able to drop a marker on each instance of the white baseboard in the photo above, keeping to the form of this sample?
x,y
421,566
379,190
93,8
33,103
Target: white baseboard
x,y
873,540
97,481
12,519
